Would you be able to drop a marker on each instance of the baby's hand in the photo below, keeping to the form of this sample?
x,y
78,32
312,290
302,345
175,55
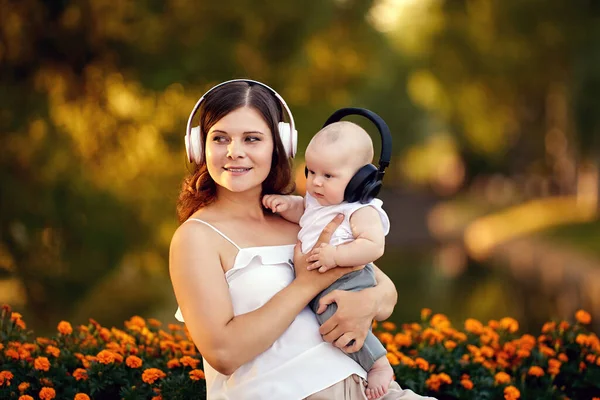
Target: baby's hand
x,y
276,203
323,257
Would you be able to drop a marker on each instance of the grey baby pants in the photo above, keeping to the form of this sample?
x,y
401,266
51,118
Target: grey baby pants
x,y
354,281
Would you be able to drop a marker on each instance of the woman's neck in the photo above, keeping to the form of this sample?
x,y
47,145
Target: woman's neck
x,y
240,205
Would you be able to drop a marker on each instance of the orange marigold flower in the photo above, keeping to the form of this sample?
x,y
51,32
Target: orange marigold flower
x,y
150,375
502,378
563,357
511,393
65,328
433,383
563,326
25,397
493,324
445,378
392,358
422,364
47,393
523,353
41,364
510,324
425,313
554,366
136,321
487,351
188,361
388,326
402,339
11,353
54,351
583,317
466,383
450,344
104,334
5,376
154,322
547,351
386,337
407,361
1,346
196,374
440,321
591,358
535,371
133,362
15,316
20,324
82,396
473,326
548,327
23,386
174,363
105,357
80,374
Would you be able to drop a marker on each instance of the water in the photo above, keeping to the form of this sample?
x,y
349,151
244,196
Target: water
x,y
450,283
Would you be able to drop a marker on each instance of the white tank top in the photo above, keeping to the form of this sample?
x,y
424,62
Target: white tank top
x,y
299,363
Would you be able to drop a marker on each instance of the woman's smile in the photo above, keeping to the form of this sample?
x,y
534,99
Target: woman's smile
x,y
237,171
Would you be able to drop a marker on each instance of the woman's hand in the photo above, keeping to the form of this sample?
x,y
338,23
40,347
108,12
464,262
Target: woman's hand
x,y
351,321
313,278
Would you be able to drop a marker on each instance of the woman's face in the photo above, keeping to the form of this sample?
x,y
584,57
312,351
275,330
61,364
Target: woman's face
x,y
239,149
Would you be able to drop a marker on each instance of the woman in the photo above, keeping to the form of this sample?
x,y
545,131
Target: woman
x,y
231,269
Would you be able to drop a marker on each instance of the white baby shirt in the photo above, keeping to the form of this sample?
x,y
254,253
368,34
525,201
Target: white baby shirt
x,y
316,216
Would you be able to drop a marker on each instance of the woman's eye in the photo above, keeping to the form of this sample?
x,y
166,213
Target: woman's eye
x,y
219,139
252,139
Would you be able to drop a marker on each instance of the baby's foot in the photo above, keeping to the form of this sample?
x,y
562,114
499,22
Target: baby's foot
x,y
379,378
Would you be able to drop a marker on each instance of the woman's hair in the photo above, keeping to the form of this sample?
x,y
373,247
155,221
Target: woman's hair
x,y
199,189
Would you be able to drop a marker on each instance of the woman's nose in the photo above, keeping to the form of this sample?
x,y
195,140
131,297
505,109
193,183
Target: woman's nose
x,y
235,149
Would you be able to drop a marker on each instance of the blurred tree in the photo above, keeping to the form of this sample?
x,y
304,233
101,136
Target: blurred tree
x,y
511,79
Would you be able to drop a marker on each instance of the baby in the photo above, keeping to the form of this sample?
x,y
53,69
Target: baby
x,y
333,156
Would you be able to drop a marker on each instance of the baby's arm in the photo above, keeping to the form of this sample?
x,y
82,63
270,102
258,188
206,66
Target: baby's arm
x,y
368,244
289,207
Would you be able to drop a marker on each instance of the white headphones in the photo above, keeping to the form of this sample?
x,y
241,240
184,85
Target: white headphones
x,y
287,131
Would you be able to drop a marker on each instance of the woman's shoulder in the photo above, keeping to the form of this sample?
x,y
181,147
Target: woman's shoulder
x,y
193,233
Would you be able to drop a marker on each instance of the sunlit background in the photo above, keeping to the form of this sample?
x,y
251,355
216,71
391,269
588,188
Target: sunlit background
x,y
493,105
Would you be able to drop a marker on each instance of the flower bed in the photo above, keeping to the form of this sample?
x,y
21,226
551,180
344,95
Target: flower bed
x,y
148,361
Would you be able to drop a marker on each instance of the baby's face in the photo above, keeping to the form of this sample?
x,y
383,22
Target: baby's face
x,y
329,171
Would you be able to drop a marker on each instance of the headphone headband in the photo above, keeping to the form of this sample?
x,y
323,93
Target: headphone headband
x,y
384,131
292,125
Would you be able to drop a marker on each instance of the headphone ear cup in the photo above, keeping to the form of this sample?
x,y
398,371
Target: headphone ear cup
x,y
193,146
370,192
362,179
288,138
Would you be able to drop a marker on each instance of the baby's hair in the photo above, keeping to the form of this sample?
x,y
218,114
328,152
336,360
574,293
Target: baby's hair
x,y
354,136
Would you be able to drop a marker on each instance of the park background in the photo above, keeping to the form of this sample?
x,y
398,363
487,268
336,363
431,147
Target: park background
x,y
492,190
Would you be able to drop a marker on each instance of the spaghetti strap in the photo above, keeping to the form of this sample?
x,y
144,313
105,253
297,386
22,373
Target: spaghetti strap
x,y
216,230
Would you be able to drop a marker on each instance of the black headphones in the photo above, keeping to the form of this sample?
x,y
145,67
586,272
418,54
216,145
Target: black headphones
x,y
366,183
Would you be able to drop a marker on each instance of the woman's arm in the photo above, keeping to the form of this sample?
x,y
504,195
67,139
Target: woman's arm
x,y
227,341
356,312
